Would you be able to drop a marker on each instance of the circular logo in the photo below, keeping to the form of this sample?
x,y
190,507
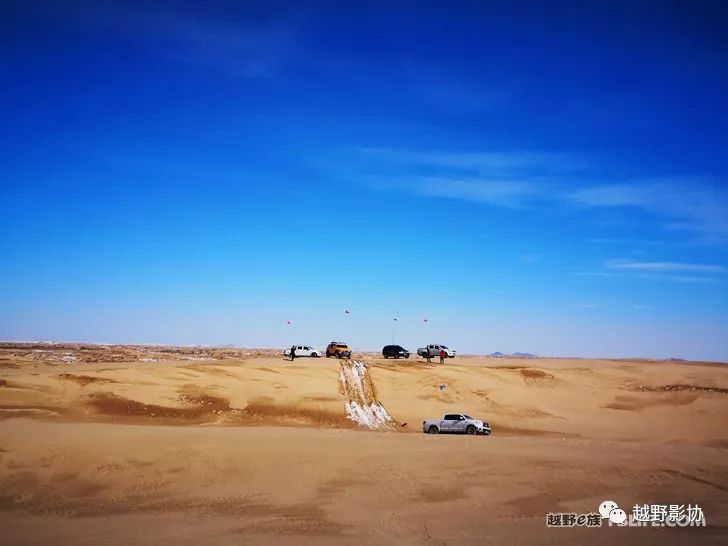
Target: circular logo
x,y
606,507
618,516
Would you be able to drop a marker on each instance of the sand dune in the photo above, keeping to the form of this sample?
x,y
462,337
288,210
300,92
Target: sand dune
x,y
259,450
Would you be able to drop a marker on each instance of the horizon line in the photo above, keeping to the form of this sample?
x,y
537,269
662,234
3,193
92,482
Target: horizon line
x,y
50,342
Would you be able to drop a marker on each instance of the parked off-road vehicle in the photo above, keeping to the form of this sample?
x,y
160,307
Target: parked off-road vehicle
x,y
339,349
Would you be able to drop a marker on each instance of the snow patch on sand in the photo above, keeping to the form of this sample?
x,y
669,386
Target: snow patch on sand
x,y
363,407
372,416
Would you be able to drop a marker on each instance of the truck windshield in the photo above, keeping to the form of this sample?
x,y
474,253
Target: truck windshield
x,y
467,416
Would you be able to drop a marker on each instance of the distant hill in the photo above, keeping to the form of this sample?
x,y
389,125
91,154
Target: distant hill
x,y
514,355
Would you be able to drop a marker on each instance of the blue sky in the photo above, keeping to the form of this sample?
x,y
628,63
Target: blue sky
x,y
551,179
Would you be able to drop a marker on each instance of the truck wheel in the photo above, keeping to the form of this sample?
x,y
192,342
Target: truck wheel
x,y
433,430
470,430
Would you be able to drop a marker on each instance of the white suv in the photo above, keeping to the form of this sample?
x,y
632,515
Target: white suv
x,y
303,350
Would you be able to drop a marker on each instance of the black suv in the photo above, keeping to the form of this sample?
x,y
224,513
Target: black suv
x,y
395,351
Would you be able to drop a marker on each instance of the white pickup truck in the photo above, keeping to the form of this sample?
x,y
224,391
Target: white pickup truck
x,y
434,351
455,423
303,350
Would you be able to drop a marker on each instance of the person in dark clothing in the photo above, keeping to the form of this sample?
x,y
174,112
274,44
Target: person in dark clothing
x,y
293,352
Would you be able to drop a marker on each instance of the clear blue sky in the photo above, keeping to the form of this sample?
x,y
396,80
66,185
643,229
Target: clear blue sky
x,y
549,177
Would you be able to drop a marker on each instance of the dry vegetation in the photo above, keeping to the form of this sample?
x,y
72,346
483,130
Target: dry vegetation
x,y
85,352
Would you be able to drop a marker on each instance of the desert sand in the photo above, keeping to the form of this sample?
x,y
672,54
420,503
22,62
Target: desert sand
x,y
180,446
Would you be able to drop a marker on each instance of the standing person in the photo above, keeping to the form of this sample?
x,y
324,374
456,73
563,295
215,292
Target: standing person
x,y
428,356
443,356
293,352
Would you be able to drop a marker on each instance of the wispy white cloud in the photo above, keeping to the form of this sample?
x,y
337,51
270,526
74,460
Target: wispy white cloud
x,y
695,205
685,279
657,277
589,304
610,196
669,267
504,193
489,164
677,272
595,274
623,241
508,179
